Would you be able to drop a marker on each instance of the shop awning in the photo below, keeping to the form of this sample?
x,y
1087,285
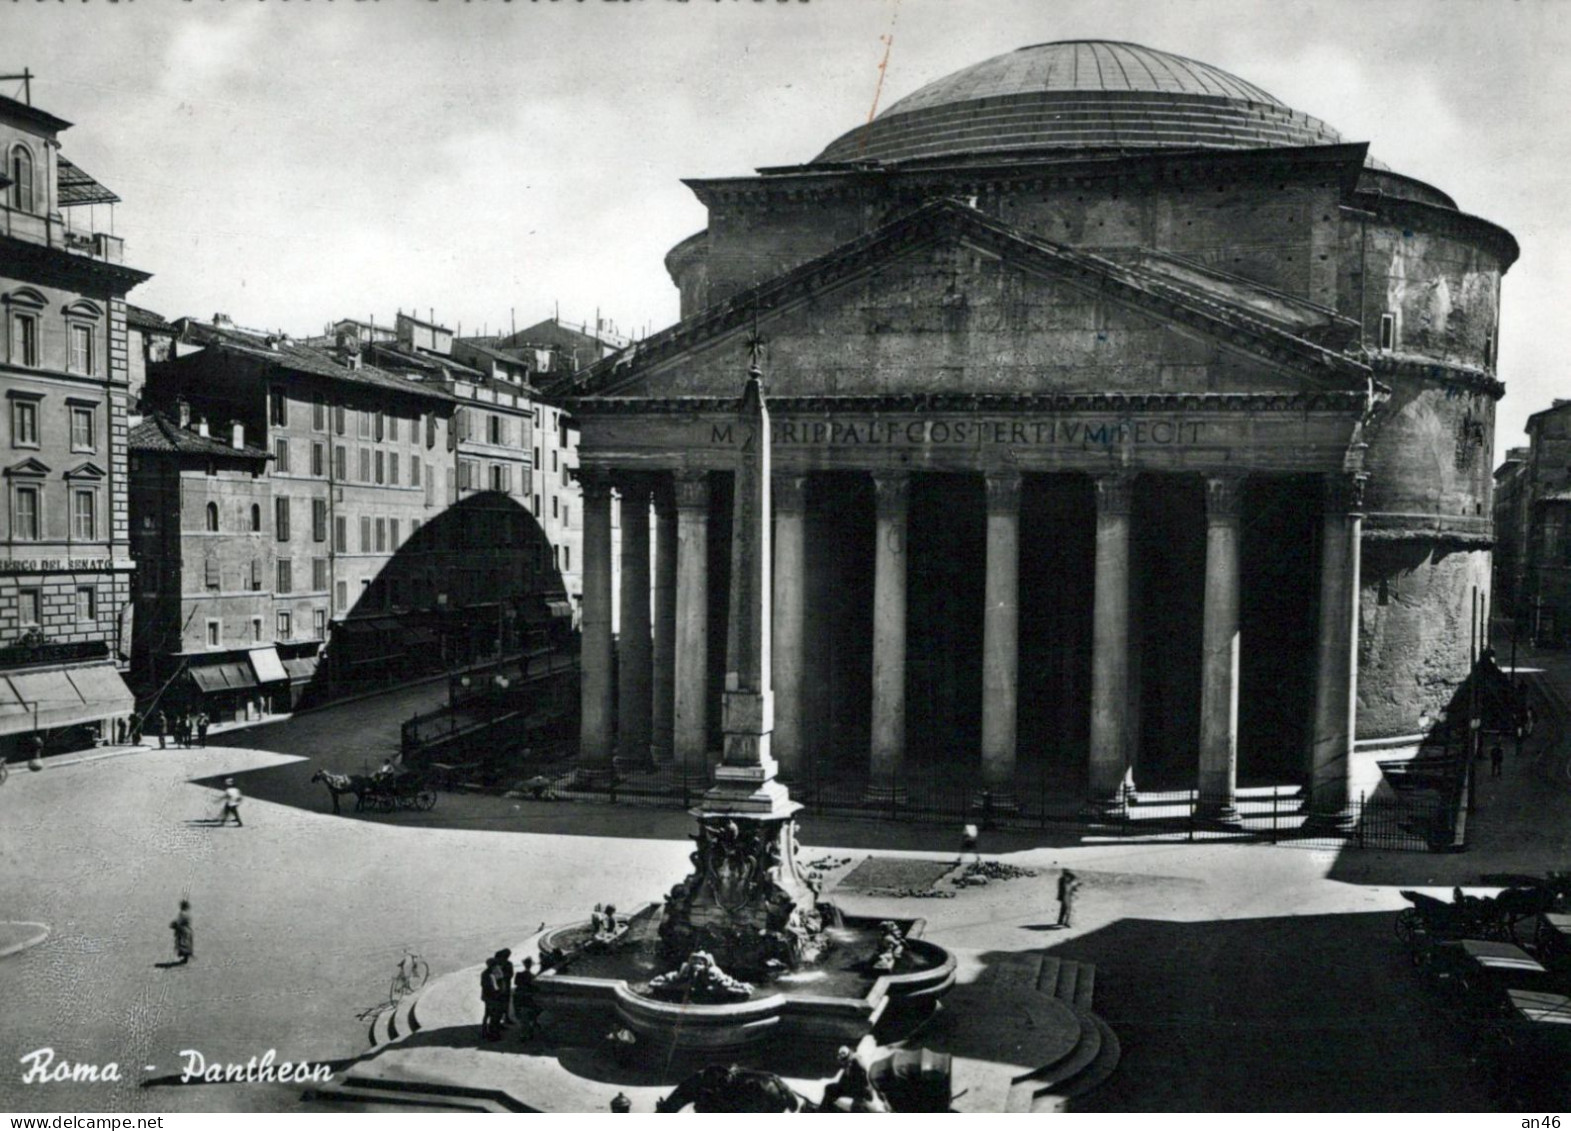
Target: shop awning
x,y
222,677
266,664
62,697
302,670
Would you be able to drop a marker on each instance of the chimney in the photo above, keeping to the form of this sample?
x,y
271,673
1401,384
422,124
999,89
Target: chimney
x,y
223,320
201,427
237,434
183,406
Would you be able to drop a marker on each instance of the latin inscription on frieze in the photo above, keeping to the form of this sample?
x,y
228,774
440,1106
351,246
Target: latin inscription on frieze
x,y
969,431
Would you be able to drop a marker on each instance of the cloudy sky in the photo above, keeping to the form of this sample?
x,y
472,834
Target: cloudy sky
x,y
289,162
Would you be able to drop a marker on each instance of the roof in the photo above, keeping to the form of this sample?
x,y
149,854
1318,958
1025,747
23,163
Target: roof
x,y
77,188
159,433
12,108
142,318
1080,94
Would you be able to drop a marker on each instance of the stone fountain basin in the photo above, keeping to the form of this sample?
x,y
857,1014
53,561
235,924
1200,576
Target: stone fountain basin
x,y
584,1008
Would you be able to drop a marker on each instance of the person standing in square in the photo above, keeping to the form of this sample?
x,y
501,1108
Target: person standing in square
x,y
185,937
232,801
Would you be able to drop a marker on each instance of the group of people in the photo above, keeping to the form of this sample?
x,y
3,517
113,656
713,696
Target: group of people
x,y
508,996
187,728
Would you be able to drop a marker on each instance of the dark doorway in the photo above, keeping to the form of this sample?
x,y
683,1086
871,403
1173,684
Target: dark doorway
x,y
838,623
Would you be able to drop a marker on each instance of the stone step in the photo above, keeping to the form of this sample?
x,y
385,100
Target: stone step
x,y
1095,1073
1068,981
1047,980
1085,988
410,1099
1053,1079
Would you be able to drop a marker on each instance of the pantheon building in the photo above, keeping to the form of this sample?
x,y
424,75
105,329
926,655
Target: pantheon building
x,y
1128,427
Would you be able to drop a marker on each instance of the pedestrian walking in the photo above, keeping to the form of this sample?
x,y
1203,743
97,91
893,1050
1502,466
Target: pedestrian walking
x,y
524,1008
1497,760
201,728
136,728
183,729
1067,883
493,998
163,730
232,801
185,938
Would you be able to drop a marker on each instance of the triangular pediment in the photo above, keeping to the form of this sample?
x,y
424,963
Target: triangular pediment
x,y
29,468
947,301
85,470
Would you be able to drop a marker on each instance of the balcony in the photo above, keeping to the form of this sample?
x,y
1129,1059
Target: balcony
x,y
56,232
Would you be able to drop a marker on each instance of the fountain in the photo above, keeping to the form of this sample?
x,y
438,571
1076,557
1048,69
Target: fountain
x,y
742,949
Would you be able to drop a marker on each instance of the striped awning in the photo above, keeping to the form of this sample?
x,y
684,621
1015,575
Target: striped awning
x,y
60,697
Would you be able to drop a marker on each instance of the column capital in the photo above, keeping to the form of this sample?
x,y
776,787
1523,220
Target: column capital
x,y
1115,492
1003,492
1344,492
788,492
893,491
1224,496
692,489
595,483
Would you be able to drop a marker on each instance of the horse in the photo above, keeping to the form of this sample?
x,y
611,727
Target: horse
x,y
340,784
735,1089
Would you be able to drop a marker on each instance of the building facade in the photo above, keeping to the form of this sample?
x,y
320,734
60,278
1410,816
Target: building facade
x,y
202,536
1532,509
1104,409
65,582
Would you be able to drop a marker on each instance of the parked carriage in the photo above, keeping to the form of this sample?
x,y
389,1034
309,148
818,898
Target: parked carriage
x,y
387,793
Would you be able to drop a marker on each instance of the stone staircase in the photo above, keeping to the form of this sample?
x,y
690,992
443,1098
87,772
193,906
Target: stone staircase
x,y
1091,1059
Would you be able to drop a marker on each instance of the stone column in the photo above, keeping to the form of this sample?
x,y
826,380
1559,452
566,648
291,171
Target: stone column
x,y
634,694
1000,638
889,639
1110,640
790,578
663,677
690,721
1336,661
1219,652
598,710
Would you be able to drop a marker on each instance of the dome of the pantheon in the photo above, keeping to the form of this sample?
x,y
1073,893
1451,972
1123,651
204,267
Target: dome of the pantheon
x,y
1079,94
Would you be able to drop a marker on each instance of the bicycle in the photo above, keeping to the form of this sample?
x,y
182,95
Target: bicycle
x,y
412,974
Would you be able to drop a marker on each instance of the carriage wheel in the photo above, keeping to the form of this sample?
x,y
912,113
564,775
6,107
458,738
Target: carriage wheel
x,y
1408,923
425,800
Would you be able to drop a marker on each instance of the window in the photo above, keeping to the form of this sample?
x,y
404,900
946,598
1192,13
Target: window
x,y
256,575
213,634
318,575
556,557
26,524
341,533
430,488
363,425
84,522
365,534
340,462
392,468
365,465
318,459
392,427
553,460
1388,331
86,603
286,576
281,456
341,596
24,423
81,357
319,520
537,459
537,506
430,430
392,533
318,414
567,557
1489,348
496,431
83,434
277,408
414,473
281,519
340,423
256,630
28,603
24,338
381,536
381,426
567,515
210,575
499,477
414,527
319,623
381,466
285,625
555,509
256,518
21,173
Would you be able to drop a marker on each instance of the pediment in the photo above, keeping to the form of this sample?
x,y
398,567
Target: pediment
x,y
29,468
947,301
86,470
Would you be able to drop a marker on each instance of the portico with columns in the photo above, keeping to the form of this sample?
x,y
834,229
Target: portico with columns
x,y
1093,585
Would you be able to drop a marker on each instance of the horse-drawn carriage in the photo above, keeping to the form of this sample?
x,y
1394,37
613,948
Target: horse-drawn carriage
x,y
1497,918
384,792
